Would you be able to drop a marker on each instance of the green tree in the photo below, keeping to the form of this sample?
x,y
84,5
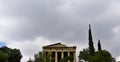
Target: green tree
x,y
91,46
43,57
39,57
3,57
90,55
47,56
29,60
66,58
84,55
95,58
14,55
101,56
99,46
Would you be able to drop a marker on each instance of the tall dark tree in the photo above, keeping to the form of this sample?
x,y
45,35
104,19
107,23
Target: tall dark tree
x,y
99,45
91,46
90,55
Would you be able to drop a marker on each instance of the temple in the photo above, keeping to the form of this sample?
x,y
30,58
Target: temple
x,y
60,51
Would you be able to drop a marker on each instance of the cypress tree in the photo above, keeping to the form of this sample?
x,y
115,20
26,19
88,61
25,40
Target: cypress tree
x,y
99,46
91,46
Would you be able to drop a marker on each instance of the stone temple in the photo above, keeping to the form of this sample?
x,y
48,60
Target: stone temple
x,y
59,51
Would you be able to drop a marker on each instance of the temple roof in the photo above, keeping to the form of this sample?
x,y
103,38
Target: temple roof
x,y
56,45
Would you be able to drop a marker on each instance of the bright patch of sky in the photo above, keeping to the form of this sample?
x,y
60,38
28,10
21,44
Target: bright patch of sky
x,y
2,44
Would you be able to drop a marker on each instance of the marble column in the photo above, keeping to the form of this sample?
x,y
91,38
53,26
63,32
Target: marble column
x,y
56,57
74,55
68,55
62,55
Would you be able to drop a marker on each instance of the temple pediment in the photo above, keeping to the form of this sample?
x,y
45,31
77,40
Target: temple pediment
x,y
56,45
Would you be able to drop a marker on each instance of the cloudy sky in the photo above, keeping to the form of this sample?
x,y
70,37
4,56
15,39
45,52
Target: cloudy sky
x,y
30,24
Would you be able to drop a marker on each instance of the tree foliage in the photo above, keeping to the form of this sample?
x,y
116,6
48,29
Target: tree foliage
x,y
14,55
43,57
66,58
99,46
91,46
39,57
3,57
101,56
84,54
29,60
90,55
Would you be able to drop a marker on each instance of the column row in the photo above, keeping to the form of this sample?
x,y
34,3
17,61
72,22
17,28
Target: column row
x,y
61,55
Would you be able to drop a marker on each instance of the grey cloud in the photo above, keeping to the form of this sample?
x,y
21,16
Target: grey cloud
x,y
55,21
45,20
